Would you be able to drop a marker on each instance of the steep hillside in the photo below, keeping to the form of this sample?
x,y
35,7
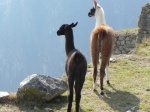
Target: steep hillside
x,y
129,90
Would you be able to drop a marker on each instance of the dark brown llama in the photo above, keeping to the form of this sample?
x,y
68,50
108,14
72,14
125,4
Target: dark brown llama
x,y
76,66
101,41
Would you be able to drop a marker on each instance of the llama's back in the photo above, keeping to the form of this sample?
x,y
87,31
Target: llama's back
x,y
103,31
105,38
76,62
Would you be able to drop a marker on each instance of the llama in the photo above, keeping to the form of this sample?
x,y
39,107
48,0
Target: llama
x,y
76,65
102,41
99,14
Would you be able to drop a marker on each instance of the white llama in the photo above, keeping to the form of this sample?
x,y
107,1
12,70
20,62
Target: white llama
x,y
99,14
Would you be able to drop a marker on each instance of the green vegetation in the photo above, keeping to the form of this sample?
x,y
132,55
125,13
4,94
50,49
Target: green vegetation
x,y
129,30
130,87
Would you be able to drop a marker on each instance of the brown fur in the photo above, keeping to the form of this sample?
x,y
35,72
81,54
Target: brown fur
x,y
101,41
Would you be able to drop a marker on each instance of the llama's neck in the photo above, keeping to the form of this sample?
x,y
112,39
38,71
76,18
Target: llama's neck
x,y
69,45
100,17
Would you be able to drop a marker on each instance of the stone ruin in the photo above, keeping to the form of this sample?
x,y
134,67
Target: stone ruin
x,y
126,41
144,23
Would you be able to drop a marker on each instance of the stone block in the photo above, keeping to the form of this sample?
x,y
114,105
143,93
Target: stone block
x,y
40,88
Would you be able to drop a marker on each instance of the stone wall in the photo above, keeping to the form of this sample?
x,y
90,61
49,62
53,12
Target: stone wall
x,y
126,39
125,42
144,23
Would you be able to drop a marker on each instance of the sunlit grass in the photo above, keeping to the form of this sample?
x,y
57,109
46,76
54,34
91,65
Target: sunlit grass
x,y
129,30
130,87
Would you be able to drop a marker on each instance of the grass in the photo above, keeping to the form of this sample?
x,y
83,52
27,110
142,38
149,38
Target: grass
x,y
130,88
129,30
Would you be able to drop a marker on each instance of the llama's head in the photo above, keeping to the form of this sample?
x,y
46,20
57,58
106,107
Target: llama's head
x,y
92,12
65,27
95,9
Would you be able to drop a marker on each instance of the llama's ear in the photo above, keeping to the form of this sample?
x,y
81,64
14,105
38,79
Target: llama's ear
x,y
73,25
95,3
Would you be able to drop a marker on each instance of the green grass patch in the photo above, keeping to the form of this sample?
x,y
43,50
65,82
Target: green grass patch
x,y
130,87
129,30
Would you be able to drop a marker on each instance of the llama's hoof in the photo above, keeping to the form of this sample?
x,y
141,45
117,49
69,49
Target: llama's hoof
x,y
94,89
102,93
108,82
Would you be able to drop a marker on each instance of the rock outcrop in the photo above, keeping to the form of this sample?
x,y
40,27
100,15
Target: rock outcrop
x,y
126,41
144,23
40,88
3,94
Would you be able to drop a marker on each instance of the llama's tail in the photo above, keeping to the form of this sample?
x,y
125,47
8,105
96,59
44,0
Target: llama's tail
x,y
102,33
78,58
80,72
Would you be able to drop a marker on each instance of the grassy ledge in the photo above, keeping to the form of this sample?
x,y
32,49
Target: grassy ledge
x,y
130,88
129,30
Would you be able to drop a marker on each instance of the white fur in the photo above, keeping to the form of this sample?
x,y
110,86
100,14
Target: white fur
x,y
94,86
107,75
99,15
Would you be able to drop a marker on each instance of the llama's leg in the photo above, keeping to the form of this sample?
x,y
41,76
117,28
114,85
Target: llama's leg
x,y
75,86
94,51
94,77
102,72
78,92
70,95
107,75
95,60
